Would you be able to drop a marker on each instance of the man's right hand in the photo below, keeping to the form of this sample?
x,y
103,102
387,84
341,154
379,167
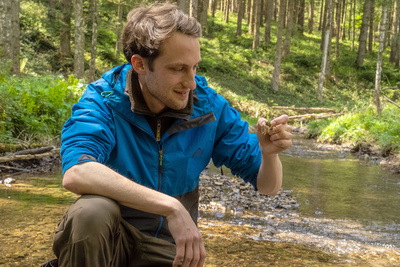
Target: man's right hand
x,y
190,249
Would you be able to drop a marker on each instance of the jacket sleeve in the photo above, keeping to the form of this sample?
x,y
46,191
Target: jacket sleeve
x,y
88,135
234,146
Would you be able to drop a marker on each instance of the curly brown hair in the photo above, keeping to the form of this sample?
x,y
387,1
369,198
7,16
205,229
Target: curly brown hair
x,y
147,27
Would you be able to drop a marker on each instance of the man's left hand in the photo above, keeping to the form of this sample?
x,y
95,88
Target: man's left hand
x,y
278,138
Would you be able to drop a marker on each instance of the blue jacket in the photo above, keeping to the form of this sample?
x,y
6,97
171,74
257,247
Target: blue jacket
x,y
103,128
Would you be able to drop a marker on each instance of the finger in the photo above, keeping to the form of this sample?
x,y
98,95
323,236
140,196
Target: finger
x,y
188,254
280,128
283,135
280,120
282,143
197,241
180,254
202,253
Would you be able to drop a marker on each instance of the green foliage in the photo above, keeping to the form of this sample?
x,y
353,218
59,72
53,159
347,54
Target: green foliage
x,y
361,126
34,109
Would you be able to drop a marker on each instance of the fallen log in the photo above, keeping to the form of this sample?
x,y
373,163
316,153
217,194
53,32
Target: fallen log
x,y
28,157
314,116
391,101
33,151
13,168
305,108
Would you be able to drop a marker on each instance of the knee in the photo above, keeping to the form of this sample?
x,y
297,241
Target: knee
x,y
98,208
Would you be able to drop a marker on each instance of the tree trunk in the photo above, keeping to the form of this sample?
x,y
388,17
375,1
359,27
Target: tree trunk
x,y
184,6
324,22
344,15
213,8
300,17
15,7
311,16
226,11
118,43
289,31
10,34
79,62
371,27
354,24
194,9
65,35
363,33
256,36
327,34
268,20
251,17
379,61
202,13
321,16
395,28
349,29
93,50
337,26
278,53
240,18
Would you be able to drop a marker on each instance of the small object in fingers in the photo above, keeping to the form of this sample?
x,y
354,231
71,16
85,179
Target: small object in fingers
x,y
265,127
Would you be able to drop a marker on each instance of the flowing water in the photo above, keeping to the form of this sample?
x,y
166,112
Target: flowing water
x,y
347,214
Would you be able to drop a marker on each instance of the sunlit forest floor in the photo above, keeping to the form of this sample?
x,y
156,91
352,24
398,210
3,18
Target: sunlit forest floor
x,y
31,209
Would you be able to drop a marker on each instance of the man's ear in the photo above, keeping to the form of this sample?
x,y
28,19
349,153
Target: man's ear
x,y
139,64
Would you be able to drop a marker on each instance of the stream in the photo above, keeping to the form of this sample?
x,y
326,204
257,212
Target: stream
x,y
334,209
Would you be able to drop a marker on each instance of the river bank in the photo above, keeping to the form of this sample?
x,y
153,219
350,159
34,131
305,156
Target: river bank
x,y
371,154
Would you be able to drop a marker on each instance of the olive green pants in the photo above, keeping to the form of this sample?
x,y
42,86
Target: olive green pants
x,y
93,233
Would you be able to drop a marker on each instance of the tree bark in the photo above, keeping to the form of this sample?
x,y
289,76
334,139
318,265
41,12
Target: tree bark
x,y
394,51
311,17
93,50
268,20
194,9
363,33
344,15
79,63
226,11
349,29
65,35
321,16
251,17
256,35
118,43
9,35
213,8
202,13
240,18
379,61
289,31
323,27
325,49
300,17
354,25
371,27
337,27
184,6
16,40
278,53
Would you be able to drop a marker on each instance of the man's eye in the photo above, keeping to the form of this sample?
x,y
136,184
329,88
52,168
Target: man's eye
x,y
178,69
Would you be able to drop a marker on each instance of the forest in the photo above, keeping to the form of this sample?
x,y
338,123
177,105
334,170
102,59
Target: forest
x,y
332,65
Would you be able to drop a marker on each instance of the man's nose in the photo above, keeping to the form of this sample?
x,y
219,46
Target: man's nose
x,y
190,81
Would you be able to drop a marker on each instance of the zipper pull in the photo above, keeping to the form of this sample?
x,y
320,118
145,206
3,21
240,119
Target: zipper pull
x,y
158,134
161,158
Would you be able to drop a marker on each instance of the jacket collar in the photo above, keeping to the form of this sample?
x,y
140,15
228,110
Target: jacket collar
x,y
139,106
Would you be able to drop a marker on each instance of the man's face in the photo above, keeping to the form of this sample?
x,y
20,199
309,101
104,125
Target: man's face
x,y
172,78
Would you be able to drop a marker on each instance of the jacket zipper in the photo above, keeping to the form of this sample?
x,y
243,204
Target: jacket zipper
x,y
158,131
160,168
